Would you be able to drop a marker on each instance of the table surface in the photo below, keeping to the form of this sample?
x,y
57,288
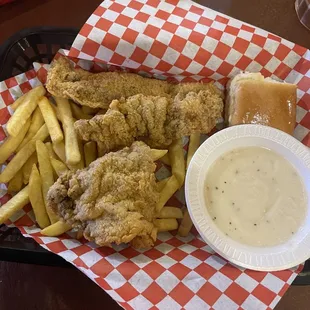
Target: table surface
x,y
64,288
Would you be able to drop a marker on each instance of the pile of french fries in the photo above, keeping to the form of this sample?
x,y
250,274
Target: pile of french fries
x,y
168,216
41,134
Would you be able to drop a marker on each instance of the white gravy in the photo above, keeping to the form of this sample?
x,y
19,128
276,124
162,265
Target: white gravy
x,y
255,196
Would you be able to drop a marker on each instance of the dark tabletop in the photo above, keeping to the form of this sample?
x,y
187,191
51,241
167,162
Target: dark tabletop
x,y
277,16
25,286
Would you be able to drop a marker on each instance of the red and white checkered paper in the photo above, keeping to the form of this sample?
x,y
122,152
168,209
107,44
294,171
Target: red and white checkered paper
x,y
182,41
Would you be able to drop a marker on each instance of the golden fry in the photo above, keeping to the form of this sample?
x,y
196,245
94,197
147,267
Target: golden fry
x,y
58,166
73,155
176,156
36,198
186,225
9,146
79,234
78,113
56,111
22,156
101,112
170,213
18,101
101,149
161,184
157,154
166,160
51,152
171,187
89,110
16,203
166,224
194,143
27,167
37,122
24,111
16,182
56,229
81,163
50,120
46,172
90,152
60,151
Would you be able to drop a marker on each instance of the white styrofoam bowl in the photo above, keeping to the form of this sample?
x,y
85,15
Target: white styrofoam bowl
x,y
292,253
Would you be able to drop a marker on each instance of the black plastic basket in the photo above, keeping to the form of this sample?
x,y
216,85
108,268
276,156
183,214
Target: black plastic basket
x,y
16,56
33,45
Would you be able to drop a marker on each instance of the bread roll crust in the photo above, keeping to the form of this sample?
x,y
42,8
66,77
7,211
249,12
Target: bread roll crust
x,y
252,99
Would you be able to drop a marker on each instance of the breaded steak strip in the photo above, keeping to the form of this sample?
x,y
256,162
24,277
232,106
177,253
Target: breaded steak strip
x,y
155,120
97,90
113,200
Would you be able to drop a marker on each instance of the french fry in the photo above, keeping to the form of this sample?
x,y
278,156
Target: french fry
x,y
89,110
50,120
101,149
90,152
161,184
60,151
166,224
46,172
56,111
73,155
22,156
79,234
166,160
16,182
194,143
81,163
36,198
186,225
101,112
176,156
18,101
58,166
10,145
157,154
27,167
170,213
56,229
78,113
36,123
16,203
24,111
171,187
51,152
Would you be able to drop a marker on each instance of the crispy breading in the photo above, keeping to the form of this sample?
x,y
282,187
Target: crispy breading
x,y
155,120
97,90
113,200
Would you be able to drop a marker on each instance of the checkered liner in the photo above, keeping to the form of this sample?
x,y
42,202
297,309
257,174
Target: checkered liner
x,y
148,37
